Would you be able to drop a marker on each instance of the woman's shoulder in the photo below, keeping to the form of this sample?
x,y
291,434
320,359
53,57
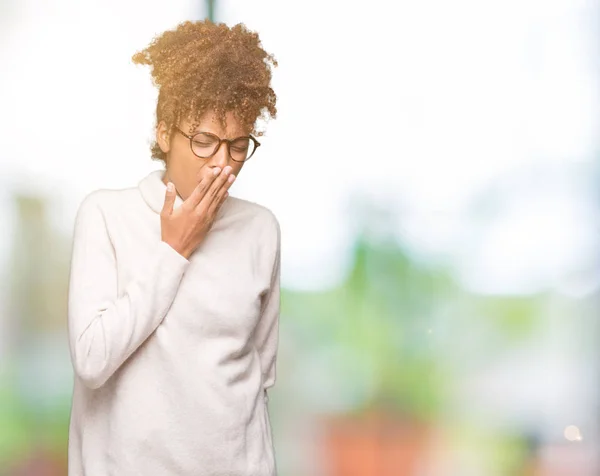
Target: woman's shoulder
x,y
107,200
252,211
259,220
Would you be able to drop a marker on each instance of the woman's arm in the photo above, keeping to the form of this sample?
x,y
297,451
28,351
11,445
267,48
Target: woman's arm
x,y
105,329
266,335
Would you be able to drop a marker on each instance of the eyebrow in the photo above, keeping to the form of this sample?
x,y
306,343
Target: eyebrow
x,y
196,131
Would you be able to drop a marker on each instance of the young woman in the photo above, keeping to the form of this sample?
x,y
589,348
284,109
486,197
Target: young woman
x,y
174,288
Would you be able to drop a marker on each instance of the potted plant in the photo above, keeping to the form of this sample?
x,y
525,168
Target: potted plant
x,y
389,308
379,342
373,336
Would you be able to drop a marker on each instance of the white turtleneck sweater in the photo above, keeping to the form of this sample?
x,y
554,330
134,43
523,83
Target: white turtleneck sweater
x,y
172,357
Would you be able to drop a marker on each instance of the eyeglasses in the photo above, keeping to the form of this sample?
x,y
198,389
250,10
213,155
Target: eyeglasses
x,y
205,145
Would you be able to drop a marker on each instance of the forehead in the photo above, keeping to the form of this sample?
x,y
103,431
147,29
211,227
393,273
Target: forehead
x,y
209,123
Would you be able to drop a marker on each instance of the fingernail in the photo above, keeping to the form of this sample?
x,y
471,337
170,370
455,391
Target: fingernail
x,y
231,178
170,186
216,171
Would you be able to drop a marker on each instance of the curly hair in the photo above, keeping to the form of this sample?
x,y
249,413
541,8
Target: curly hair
x,y
201,66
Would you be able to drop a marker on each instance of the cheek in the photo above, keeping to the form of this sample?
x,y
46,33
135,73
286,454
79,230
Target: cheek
x,y
186,162
186,171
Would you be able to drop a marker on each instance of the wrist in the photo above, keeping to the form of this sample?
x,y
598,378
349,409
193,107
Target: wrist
x,y
186,253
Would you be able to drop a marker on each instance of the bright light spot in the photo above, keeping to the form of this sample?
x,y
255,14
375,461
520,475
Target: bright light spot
x,y
572,433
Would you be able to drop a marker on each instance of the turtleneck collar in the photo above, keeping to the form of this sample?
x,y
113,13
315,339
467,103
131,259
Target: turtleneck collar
x,y
153,191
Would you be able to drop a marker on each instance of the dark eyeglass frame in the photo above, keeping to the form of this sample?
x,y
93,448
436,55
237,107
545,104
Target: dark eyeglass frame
x,y
228,141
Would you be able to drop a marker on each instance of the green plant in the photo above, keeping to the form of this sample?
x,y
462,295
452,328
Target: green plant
x,y
390,303
385,333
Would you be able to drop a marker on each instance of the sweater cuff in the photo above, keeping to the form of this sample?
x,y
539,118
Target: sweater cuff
x,y
176,259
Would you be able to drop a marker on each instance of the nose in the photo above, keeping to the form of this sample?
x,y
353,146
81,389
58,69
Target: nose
x,y
221,157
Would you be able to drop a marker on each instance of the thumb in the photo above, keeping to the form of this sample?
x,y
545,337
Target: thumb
x,y
169,199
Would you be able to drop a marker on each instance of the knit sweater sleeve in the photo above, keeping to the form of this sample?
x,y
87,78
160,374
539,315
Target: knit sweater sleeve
x,y
266,336
105,328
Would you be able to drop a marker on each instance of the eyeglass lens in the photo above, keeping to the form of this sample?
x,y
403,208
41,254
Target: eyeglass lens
x,y
204,145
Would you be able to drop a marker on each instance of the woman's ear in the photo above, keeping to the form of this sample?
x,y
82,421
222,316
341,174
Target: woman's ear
x,y
162,137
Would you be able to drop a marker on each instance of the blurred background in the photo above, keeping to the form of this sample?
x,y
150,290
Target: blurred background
x,y
434,167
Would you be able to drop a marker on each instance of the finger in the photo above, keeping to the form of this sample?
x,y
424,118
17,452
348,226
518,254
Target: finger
x,y
222,181
216,204
200,190
169,200
219,205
